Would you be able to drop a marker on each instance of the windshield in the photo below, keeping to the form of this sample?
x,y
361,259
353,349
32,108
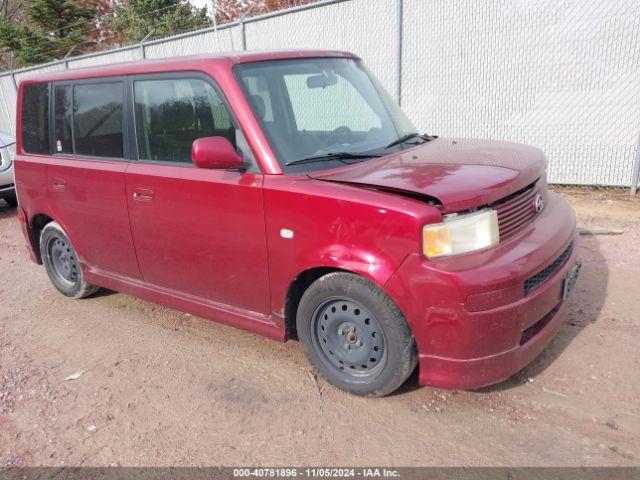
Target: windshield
x,y
316,112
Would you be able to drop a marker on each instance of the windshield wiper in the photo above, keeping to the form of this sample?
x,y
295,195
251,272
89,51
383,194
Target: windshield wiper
x,y
409,136
403,139
330,156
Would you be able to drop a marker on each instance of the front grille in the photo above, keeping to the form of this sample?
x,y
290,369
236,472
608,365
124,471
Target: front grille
x,y
539,278
517,211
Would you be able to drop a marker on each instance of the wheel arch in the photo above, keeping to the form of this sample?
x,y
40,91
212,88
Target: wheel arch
x,y
36,224
297,287
37,221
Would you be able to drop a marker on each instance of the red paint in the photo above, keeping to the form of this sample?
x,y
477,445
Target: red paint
x,y
462,174
202,234
87,197
208,241
215,152
460,348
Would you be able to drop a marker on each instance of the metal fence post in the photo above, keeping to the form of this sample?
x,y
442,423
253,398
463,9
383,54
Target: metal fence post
x,y
7,111
15,83
143,52
243,36
399,15
635,176
67,55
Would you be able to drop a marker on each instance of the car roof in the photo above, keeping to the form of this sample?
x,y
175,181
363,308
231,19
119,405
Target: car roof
x,y
182,63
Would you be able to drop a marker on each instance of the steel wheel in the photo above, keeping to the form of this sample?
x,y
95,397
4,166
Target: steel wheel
x,y
354,335
350,339
62,263
63,260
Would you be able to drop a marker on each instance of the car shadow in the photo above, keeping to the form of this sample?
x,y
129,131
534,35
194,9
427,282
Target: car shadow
x,y
103,292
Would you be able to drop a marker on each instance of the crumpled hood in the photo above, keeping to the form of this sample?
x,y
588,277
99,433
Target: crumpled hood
x,y
459,173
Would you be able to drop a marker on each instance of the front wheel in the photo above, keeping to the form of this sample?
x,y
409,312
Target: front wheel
x,y
355,336
61,263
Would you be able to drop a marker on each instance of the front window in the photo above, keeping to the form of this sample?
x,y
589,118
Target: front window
x,y
318,111
172,113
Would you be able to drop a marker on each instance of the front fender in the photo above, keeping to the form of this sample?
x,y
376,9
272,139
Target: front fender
x,y
316,224
374,267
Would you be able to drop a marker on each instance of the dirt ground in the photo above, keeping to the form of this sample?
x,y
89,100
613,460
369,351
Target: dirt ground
x,y
164,388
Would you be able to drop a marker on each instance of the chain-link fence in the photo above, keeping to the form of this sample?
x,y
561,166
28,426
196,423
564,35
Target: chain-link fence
x,y
562,75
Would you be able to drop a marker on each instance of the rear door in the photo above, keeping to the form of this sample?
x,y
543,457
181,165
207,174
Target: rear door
x,y
86,173
197,232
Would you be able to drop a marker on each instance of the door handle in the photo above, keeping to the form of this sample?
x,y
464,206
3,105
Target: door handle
x,y
143,195
59,184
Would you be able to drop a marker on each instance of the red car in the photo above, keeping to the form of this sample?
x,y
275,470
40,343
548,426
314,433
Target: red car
x,y
287,194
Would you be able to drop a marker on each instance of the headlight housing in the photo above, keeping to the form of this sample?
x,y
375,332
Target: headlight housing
x,y
461,234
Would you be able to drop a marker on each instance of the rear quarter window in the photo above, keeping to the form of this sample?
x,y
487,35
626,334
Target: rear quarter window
x,y
35,118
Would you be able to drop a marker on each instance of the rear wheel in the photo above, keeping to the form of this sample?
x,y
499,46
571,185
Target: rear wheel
x,y
61,263
355,336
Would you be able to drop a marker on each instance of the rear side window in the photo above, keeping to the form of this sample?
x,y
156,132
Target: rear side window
x,y
97,119
88,119
171,114
35,118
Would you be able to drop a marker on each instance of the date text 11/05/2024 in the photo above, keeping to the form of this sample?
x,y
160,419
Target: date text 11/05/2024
x,y
369,472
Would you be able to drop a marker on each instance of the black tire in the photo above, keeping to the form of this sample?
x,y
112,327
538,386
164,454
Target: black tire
x,y
12,201
342,320
61,263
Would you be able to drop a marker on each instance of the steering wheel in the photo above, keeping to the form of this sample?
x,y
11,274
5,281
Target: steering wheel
x,y
341,134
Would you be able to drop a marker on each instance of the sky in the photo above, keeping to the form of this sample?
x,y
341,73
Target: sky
x,y
199,3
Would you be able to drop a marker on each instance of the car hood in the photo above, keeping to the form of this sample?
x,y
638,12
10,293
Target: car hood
x,y
460,174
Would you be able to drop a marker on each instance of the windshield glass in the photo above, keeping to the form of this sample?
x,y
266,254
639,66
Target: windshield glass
x,y
317,111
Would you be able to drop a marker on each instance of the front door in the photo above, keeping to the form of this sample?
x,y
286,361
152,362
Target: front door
x,y
199,233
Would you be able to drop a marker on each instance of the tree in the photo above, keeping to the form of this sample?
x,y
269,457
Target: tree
x,y
230,10
25,46
102,35
10,13
54,28
133,20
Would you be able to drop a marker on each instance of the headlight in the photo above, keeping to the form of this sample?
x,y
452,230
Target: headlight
x,y
461,234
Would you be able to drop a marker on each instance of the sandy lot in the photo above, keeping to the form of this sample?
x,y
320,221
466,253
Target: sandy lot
x,y
163,388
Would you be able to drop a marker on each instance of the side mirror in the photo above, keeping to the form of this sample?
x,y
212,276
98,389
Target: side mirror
x,y
215,153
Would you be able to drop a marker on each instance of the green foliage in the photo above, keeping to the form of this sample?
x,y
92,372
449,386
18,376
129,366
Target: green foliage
x,y
55,27
133,20
28,46
62,17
